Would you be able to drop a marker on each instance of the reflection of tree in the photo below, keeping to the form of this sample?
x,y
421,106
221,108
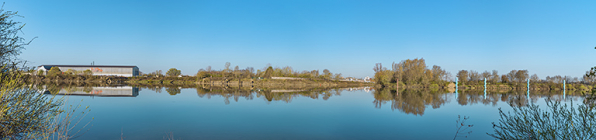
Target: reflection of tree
x,y
415,101
54,89
558,121
517,98
226,93
87,89
173,90
409,101
155,88
268,95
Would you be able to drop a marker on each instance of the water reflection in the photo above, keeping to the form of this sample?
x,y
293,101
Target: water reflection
x,y
409,101
269,95
105,91
415,102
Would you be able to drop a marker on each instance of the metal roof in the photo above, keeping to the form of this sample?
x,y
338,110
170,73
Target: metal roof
x,y
48,66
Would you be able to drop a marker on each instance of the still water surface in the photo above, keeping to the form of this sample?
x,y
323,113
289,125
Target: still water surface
x,y
335,114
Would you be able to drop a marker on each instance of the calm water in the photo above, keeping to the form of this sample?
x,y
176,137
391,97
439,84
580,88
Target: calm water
x,y
335,114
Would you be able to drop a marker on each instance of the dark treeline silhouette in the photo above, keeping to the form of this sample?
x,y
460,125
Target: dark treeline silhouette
x,y
414,73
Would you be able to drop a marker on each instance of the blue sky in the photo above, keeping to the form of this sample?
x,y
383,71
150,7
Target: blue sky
x,y
348,37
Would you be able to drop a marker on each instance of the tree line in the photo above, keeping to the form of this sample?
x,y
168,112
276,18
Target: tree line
x,y
416,73
247,73
515,77
412,73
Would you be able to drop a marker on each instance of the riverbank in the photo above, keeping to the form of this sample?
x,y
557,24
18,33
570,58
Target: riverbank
x,y
499,87
289,82
253,83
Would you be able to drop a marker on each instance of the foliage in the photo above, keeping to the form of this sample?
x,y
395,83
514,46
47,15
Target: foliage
x,y
462,76
54,71
173,72
414,73
11,43
384,77
236,94
87,72
558,122
202,74
408,101
410,72
268,72
173,90
69,72
39,72
518,76
461,123
23,112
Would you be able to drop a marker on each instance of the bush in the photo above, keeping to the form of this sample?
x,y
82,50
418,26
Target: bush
x,y
582,87
40,72
54,71
434,86
558,122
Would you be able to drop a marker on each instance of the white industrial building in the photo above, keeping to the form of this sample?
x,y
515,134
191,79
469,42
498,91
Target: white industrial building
x,y
99,70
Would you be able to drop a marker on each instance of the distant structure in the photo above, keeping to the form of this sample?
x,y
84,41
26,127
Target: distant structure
x,y
99,70
366,79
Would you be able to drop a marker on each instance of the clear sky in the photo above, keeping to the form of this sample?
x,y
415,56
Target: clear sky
x,y
348,37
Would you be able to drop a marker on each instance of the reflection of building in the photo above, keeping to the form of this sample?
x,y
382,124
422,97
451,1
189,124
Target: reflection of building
x,y
126,71
122,91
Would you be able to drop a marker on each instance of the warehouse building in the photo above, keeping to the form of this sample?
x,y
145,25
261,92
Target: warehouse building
x,y
99,70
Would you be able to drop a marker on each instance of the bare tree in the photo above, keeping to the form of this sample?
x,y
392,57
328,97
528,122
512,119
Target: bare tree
x,y
378,67
511,75
462,76
474,76
534,78
227,67
486,75
495,77
522,76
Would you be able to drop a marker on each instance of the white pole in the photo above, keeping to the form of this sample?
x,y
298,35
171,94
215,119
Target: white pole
x,y
484,88
564,93
455,87
528,96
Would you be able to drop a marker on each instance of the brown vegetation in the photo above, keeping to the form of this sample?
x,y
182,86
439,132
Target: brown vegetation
x,y
415,74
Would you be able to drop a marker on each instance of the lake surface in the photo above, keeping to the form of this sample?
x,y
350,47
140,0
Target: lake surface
x,y
188,113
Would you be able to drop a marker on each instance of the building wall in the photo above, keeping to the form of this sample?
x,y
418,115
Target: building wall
x,y
135,71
